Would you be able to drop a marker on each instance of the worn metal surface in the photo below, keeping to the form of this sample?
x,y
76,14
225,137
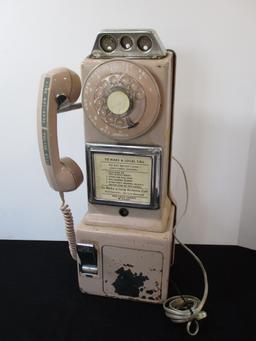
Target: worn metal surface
x,y
132,273
132,264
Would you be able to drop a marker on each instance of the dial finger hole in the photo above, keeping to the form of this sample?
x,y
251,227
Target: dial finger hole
x,y
140,94
99,103
125,80
113,80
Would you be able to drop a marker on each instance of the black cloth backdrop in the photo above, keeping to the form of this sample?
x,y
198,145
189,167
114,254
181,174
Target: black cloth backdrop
x,y
40,299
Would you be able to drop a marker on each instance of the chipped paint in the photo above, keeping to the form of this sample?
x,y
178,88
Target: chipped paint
x,y
150,292
134,274
128,283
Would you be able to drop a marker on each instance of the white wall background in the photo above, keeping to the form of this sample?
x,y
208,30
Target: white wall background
x,y
214,135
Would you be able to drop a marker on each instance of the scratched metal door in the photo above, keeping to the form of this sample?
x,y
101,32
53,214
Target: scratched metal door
x,y
132,273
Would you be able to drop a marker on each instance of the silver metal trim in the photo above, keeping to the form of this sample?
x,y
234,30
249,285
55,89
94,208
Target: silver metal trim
x,y
156,51
149,151
86,269
68,107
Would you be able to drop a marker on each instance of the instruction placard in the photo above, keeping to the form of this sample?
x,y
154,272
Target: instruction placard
x,y
124,178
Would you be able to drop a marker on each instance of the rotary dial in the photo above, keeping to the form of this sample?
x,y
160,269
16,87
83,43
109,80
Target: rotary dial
x,y
121,99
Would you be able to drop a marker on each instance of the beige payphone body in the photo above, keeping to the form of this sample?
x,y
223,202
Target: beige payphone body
x,y
123,244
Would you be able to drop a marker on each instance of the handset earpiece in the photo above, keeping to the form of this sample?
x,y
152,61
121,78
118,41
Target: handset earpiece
x,y
57,86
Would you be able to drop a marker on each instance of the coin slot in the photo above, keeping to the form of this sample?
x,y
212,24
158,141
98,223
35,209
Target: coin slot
x,y
108,43
144,43
126,42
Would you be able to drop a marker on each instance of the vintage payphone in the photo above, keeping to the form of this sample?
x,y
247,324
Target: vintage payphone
x,y
124,243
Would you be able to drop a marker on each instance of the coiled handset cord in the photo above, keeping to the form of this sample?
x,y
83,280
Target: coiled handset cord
x,y
187,308
69,226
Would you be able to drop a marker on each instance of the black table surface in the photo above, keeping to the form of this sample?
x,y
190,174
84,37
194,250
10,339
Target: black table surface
x,y
40,299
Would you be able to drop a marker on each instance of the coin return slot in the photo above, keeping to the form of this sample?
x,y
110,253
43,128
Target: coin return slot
x,y
87,254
